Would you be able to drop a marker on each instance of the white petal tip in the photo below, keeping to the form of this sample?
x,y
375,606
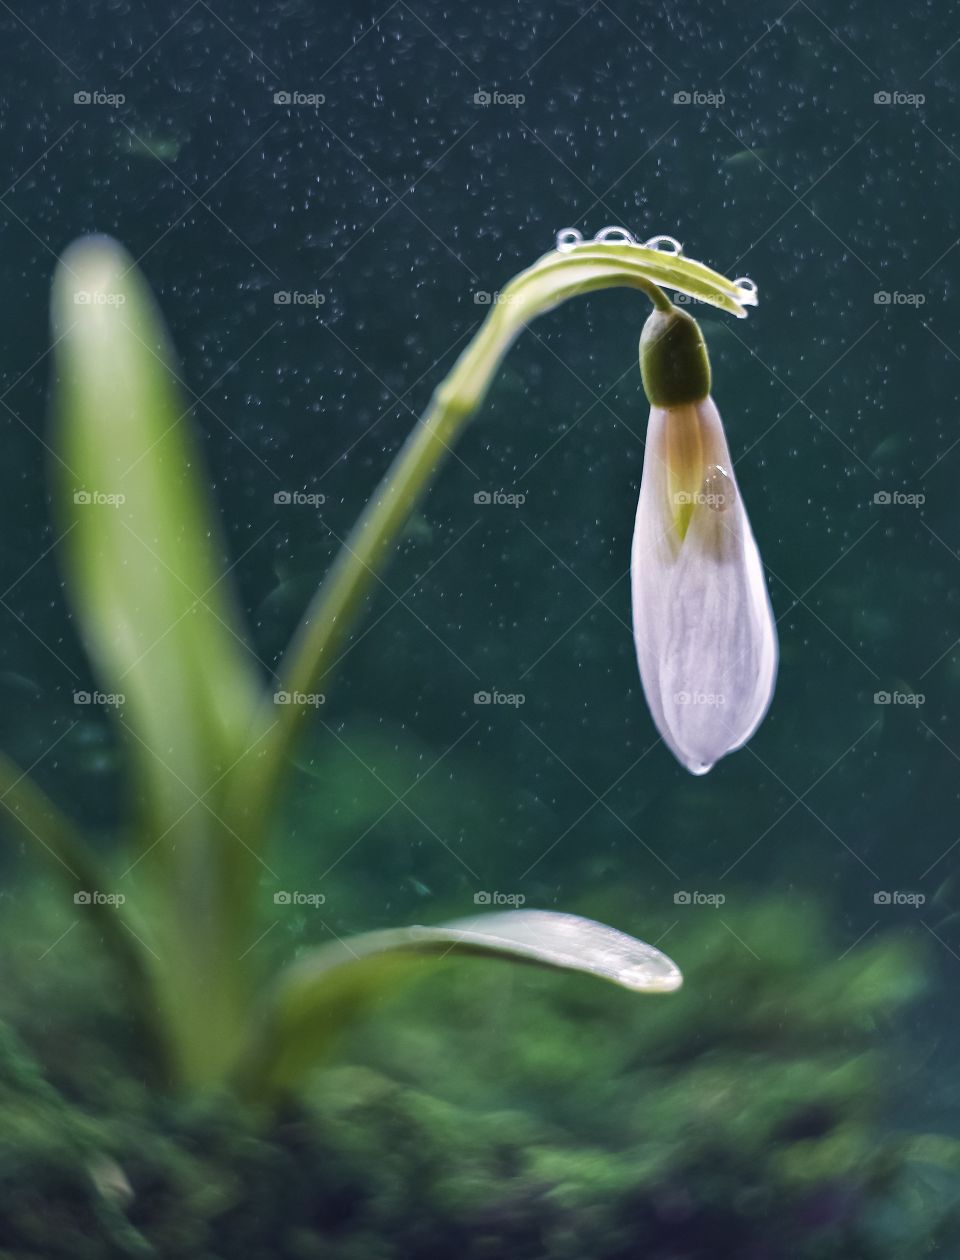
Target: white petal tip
x,y
698,767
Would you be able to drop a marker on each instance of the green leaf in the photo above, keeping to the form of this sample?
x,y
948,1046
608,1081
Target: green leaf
x,y
564,274
561,274
318,994
145,575
144,568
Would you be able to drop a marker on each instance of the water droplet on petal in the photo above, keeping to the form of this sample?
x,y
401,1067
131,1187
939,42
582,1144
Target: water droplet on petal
x,y
719,492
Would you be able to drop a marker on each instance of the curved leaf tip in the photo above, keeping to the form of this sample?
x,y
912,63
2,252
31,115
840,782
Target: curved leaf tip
x,y
569,269
316,996
566,941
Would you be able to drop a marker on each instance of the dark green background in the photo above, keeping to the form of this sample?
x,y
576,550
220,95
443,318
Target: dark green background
x,y
398,200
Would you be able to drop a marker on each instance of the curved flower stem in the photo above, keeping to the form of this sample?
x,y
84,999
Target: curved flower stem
x,y
315,647
656,296
317,643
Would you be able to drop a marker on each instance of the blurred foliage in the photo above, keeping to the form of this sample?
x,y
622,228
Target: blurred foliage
x,y
207,744
742,1117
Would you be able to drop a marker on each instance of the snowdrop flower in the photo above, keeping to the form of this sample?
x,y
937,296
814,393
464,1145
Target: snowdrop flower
x,y
702,622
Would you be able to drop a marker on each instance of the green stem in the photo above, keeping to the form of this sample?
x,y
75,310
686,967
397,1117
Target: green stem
x,y
321,635
657,296
316,646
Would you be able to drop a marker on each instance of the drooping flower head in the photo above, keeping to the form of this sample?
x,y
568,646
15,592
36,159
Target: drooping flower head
x,y
703,626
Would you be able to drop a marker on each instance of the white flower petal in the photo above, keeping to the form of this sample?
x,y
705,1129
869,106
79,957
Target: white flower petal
x,y
703,626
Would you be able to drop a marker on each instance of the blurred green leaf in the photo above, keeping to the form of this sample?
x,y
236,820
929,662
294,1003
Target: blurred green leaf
x,y
317,995
145,574
144,568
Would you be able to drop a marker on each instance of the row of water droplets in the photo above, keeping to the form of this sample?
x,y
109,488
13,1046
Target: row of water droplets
x,y
570,238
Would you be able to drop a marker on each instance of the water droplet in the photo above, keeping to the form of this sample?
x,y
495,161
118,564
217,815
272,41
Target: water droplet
x,y
748,290
719,492
567,239
665,244
615,236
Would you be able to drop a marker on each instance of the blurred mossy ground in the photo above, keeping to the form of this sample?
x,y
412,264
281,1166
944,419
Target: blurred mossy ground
x,y
492,1112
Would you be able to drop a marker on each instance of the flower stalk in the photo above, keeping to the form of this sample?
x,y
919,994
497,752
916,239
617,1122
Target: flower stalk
x,y
572,269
